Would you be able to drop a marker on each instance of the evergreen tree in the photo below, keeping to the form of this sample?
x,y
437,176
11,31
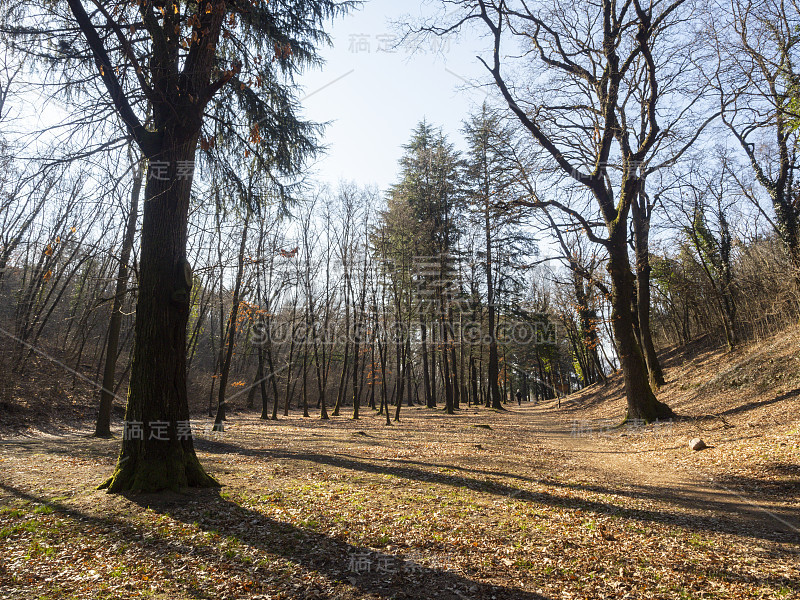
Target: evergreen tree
x,y
163,68
429,185
490,187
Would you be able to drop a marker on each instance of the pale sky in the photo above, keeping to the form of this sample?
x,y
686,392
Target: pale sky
x,y
374,97
372,94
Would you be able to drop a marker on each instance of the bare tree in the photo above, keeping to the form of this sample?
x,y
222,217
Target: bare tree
x,y
755,45
597,119
103,425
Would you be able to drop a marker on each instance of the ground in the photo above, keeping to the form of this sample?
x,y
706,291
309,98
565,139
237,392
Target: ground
x,y
485,504
554,501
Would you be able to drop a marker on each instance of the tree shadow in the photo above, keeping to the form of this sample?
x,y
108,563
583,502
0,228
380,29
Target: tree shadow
x,y
370,572
698,348
786,484
730,512
730,507
759,403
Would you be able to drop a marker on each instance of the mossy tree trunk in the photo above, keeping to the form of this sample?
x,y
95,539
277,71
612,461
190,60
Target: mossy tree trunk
x,y
642,402
163,456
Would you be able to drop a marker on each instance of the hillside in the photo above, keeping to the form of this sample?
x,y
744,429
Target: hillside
x,y
744,404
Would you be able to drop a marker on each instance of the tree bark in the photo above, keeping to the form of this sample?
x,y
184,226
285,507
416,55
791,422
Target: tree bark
x,y
157,392
640,215
642,402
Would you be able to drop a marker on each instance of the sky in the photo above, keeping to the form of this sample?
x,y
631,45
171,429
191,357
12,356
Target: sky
x,y
374,95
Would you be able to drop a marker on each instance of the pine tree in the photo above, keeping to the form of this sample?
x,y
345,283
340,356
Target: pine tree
x,y
430,186
183,60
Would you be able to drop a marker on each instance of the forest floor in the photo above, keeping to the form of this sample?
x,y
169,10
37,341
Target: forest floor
x,y
538,501
485,505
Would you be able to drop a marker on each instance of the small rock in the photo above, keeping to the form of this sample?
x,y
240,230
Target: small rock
x,y
697,444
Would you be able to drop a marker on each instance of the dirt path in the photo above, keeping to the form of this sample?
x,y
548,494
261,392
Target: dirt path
x,y
608,458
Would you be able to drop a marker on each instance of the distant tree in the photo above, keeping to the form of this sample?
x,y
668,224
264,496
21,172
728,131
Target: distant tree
x,y
429,184
491,184
229,343
396,244
487,183
706,209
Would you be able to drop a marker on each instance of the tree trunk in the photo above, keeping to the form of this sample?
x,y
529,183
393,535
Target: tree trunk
x,y
272,376
401,367
103,425
642,403
226,363
445,362
289,390
163,457
305,378
494,368
454,364
322,378
262,383
640,215
356,351
410,366
426,381
432,362
343,379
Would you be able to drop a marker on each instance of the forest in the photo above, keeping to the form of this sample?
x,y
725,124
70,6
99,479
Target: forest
x,y
604,257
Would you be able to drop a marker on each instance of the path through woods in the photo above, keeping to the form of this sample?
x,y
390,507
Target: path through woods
x,y
480,505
